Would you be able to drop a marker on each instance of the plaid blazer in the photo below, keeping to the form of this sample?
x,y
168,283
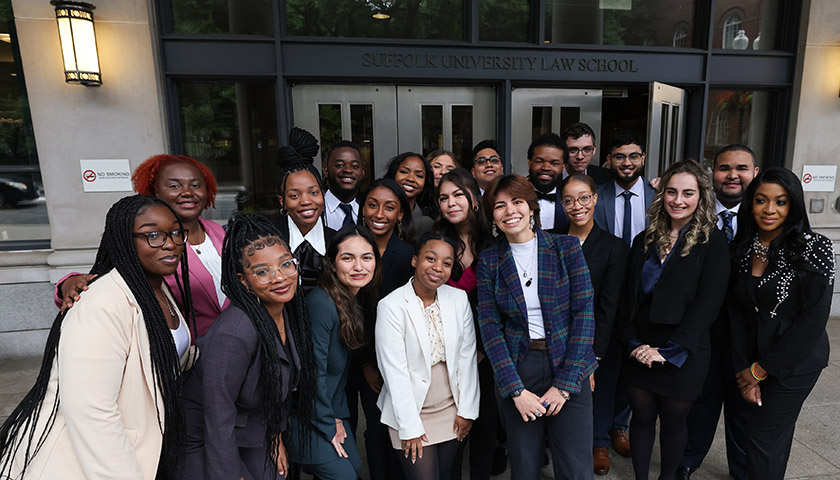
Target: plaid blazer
x,y
565,293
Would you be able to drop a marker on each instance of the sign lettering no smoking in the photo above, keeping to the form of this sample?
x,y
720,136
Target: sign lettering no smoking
x,y
89,175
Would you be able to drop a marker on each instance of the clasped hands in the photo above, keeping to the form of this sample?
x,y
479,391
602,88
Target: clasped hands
x,y
646,355
414,446
531,407
748,385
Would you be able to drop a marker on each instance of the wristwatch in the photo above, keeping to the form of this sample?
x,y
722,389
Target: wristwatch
x,y
517,392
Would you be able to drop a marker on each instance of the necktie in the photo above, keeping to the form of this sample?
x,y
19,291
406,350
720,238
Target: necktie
x,y
626,231
726,216
310,265
551,197
348,213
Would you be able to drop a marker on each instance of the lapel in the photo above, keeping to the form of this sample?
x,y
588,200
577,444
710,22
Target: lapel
x,y
448,312
200,277
547,265
417,319
609,207
142,338
592,240
509,274
560,219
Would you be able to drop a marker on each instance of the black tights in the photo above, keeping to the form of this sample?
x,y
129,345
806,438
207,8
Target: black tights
x,y
436,464
673,431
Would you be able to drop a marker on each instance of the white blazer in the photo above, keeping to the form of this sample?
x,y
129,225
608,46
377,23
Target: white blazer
x,y
403,352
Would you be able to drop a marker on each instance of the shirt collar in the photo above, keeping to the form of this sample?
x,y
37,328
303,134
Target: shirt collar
x,y
331,203
638,188
719,207
315,237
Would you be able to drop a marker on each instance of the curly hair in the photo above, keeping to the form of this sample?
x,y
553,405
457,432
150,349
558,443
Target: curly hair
x,y
144,176
704,219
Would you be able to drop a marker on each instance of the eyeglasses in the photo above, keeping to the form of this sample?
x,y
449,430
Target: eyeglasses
x,y
634,157
586,150
158,239
264,275
493,160
583,200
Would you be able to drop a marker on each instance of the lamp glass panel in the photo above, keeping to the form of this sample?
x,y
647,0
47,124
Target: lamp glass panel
x,y
66,36
85,40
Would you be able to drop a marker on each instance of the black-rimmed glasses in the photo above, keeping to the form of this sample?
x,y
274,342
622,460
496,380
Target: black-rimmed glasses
x,y
158,239
634,157
266,274
583,200
483,160
586,150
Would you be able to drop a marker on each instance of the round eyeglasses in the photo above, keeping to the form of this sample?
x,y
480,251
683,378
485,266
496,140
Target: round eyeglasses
x,y
265,274
158,239
583,200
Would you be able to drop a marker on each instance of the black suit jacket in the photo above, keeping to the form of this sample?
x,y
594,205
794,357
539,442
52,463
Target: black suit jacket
x,y
599,175
606,257
784,333
688,295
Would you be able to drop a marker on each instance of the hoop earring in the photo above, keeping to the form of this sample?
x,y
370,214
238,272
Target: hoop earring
x,y
283,211
533,228
399,229
494,231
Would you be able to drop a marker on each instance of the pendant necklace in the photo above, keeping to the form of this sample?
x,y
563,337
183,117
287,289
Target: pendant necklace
x,y
760,250
528,278
168,305
197,248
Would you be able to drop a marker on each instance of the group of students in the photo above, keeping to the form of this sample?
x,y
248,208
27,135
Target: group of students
x,y
439,304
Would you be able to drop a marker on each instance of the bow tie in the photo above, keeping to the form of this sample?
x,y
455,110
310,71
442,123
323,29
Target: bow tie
x,y
551,197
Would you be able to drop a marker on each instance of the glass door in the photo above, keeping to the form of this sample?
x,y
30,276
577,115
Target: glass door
x,y
666,115
536,111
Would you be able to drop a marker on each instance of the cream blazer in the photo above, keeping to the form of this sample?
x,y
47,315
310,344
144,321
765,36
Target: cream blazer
x,y
403,354
107,425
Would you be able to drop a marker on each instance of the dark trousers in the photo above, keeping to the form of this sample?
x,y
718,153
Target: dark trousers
x,y
719,389
571,457
482,437
383,463
771,426
609,401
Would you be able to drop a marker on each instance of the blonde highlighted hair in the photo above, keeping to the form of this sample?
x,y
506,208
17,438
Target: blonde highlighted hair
x,y
702,223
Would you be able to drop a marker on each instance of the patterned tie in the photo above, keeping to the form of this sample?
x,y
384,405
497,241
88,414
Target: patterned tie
x,y
726,216
626,233
348,213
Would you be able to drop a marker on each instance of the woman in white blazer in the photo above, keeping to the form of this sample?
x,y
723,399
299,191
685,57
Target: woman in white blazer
x,y
107,402
425,346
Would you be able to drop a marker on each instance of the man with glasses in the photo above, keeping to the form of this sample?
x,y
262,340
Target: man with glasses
x,y
343,171
545,171
487,163
579,139
620,210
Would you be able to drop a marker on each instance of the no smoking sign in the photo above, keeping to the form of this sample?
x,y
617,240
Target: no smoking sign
x,y
89,175
105,175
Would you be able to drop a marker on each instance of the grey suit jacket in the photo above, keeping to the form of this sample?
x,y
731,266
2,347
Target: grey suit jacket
x,y
223,399
605,209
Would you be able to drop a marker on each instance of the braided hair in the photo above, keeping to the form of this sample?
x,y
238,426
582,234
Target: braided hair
x,y
253,232
116,251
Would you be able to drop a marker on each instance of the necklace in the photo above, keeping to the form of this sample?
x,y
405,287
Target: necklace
x,y
197,248
529,278
168,305
760,250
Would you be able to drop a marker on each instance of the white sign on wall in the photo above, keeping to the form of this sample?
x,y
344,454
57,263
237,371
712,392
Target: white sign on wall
x,y
818,178
106,175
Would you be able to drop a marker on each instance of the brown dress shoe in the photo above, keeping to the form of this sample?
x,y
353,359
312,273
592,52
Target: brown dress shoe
x,y
620,442
601,457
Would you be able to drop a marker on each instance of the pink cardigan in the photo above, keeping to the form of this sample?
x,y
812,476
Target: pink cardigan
x,y
205,302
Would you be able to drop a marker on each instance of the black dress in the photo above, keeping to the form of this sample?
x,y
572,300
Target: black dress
x,y
674,313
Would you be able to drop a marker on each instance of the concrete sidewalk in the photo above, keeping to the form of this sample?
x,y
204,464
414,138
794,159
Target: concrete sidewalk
x,y
816,446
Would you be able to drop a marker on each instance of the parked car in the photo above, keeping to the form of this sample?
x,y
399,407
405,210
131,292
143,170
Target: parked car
x,y
17,188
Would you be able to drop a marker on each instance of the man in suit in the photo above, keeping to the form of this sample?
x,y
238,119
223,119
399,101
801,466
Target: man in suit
x,y
579,139
545,171
734,169
343,170
621,210
487,164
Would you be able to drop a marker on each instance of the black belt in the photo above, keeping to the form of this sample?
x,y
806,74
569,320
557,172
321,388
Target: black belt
x,y
538,344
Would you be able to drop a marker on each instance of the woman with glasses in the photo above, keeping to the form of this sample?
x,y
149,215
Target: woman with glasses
x,y
259,350
189,188
675,284
779,303
107,401
606,257
537,322
414,174
442,162
346,289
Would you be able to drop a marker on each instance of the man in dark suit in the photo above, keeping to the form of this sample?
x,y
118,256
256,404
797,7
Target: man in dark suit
x,y
621,210
343,170
579,139
734,169
545,171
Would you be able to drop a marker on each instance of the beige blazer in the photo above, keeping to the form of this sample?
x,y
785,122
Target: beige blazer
x,y
107,425
403,353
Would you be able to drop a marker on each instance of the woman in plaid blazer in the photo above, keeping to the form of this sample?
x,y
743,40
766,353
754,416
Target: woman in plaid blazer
x,y
536,318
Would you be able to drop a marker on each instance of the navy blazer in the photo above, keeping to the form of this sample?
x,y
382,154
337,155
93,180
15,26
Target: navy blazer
x,y
565,293
606,257
599,175
223,400
605,209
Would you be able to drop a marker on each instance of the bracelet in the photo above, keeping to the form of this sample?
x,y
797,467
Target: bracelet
x,y
566,395
752,371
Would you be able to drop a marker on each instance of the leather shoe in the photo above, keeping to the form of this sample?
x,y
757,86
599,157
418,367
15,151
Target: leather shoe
x,y
601,460
683,473
620,442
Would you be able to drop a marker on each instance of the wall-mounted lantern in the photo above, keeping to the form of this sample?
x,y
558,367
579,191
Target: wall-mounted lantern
x,y
78,42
